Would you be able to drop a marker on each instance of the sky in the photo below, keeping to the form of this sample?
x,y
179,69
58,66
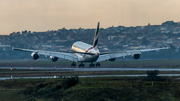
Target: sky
x,y
43,15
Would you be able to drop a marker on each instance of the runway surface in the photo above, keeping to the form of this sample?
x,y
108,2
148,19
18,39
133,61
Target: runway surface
x,y
54,69
5,78
92,69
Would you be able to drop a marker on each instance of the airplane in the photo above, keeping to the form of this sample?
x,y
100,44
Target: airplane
x,y
83,52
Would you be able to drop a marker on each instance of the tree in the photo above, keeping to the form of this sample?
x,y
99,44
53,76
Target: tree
x,y
71,81
152,75
169,23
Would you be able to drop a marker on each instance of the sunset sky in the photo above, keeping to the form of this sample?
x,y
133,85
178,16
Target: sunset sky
x,y
43,15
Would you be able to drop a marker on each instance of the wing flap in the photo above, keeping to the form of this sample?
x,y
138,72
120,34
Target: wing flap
x,y
115,55
68,56
106,56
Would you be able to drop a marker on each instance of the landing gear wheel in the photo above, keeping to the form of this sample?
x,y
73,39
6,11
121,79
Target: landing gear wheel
x,y
91,65
81,65
73,64
98,64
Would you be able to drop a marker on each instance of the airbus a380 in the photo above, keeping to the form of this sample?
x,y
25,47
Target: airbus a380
x,y
83,52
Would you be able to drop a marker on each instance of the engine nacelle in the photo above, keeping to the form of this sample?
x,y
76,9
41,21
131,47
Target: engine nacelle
x,y
35,56
112,59
54,59
136,56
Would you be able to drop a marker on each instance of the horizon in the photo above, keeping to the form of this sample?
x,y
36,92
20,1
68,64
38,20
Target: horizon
x,y
88,28
44,15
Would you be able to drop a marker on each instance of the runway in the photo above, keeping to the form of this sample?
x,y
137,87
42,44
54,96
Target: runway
x,y
6,78
91,69
59,69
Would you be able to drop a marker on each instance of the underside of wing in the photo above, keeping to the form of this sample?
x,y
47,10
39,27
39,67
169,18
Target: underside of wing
x,y
63,55
67,56
134,53
106,56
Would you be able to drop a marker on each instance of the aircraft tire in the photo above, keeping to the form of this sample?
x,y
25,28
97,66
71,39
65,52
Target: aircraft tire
x,y
73,65
98,64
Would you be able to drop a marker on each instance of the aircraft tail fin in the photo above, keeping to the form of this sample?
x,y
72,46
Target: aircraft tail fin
x,y
95,42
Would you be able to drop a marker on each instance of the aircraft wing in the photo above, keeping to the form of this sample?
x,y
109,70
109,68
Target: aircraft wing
x,y
106,56
68,56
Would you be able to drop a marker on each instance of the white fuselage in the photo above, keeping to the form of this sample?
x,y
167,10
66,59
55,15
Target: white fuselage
x,y
85,48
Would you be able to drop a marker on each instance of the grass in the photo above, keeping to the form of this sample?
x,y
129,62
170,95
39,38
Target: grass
x,y
32,73
116,64
144,63
91,89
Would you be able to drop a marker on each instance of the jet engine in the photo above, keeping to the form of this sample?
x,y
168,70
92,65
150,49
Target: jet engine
x,y
35,55
54,59
112,59
136,56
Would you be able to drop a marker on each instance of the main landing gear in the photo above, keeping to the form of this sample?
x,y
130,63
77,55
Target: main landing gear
x,y
97,64
81,65
73,64
90,65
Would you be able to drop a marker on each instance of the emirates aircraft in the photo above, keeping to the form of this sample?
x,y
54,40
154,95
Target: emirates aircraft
x,y
83,52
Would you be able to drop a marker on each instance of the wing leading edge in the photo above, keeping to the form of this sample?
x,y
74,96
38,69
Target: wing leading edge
x,y
68,56
106,56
